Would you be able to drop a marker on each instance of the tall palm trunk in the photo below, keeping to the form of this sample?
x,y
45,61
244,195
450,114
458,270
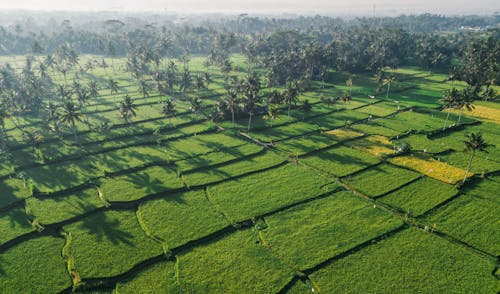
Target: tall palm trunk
x,y
459,116
289,106
469,165
446,120
232,115
388,89
249,122
74,132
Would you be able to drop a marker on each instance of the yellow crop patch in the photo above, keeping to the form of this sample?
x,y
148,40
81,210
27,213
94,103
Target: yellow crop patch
x,y
480,111
432,168
344,134
375,145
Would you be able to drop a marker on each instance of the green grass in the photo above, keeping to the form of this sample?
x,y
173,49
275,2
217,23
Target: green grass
x,y
311,233
159,278
13,190
420,196
284,132
373,128
34,266
246,165
235,264
407,262
109,243
381,179
472,218
136,185
482,163
382,109
264,192
14,223
179,218
61,208
340,161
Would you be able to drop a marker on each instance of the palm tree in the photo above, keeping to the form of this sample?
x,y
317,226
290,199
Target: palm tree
x,y
144,89
168,108
290,95
195,105
305,108
465,99
186,81
348,83
450,100
71,115
272,113
4,114
474,143
93,90
231,101
113,87
389,81
127,108
34,138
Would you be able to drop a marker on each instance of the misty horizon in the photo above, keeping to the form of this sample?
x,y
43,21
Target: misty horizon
x,y
323,7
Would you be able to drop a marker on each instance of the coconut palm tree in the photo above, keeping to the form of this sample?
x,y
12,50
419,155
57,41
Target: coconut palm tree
x,y
231,99
144,89
33,138
348,83
290,95
113,87
465,100
127,108
195,105
71,115
449,100
93,90
4,114
305,108
389,81
473,144
168,108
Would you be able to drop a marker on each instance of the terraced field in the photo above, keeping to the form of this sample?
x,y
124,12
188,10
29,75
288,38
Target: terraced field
x,y
316,202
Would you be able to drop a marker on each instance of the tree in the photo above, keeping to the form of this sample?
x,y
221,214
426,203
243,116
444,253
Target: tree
x,y
195,105
465,99
33,138
71,115
272,113
93,90
168,108
305,108
231,99
348,83
389,81
473,144
113,87
290,94
127,108
4,114
144,89
449,100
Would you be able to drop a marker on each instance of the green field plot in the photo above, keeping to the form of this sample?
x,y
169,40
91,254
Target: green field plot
x,y
339,119
285,131
420,196
482,163
109,243
302,145
13,190
61,176
34,266
14,223
258,194
137,185
311,233
340,161
223,172
409,261
218,157
472,218
159,278
179,218
237,263
57,209
381,179
373,128
384,108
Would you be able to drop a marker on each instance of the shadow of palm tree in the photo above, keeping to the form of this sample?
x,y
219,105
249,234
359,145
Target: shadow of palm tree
x,y
147,182
103,227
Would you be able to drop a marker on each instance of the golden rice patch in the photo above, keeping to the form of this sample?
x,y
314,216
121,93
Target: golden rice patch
x,y
432,168
483,112
375,145
344,134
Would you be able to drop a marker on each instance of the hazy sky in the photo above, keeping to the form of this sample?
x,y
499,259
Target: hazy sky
x,y
263,6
